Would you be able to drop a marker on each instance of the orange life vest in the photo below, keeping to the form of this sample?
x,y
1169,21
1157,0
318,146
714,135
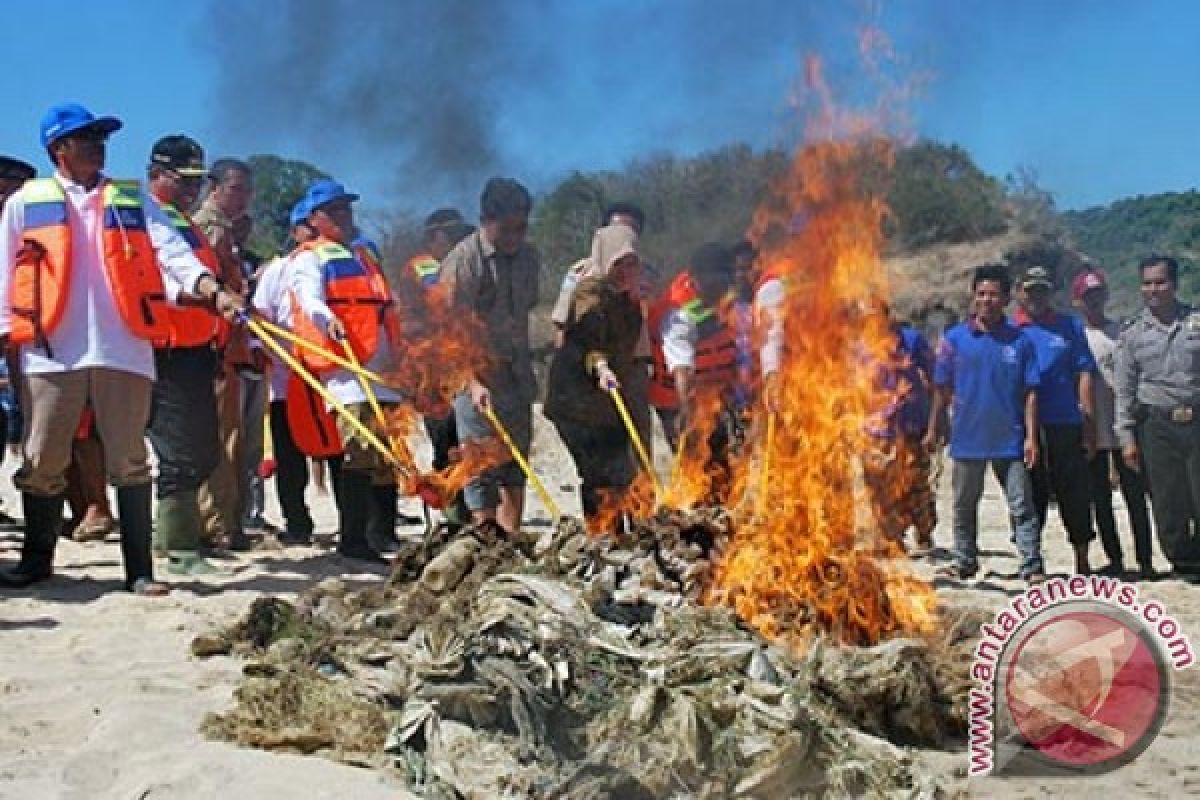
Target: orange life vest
x,y
192,325
358,295
311,424
42,272
426,269
716,348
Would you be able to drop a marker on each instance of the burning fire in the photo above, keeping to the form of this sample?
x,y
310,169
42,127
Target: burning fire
x,y
441,349
806,563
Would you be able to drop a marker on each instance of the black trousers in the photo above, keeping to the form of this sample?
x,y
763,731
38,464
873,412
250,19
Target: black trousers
x,y
1172,457
1133,489
1062,469
443,436
602,458
291,473
183,418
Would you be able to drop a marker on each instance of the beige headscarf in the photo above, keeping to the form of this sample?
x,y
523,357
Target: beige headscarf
x,y
610,244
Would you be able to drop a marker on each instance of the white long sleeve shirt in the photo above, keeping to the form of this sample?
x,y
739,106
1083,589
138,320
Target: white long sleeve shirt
x,y
304,279
273,300
91,332
679,334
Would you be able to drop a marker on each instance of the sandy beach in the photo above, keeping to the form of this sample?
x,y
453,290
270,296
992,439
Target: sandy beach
x,y
102,700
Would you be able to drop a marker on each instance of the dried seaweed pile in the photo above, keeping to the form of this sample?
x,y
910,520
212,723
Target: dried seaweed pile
x,y
574,667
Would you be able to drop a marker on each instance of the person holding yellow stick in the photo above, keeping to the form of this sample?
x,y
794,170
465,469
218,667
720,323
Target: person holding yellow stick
x,y
342,297
600,334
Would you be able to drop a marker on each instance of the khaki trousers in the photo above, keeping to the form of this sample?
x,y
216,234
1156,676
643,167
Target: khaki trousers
x,y
52,403
221,500
360,456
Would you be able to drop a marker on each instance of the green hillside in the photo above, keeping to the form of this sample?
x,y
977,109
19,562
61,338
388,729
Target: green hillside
x,y
1119,235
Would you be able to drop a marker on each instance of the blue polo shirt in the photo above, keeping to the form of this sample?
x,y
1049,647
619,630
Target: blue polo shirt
x,y
904,380
1062,355
989,373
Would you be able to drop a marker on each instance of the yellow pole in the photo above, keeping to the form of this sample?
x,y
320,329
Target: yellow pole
x,y
287,358
357,369
372,399
764,477
638,445
530,475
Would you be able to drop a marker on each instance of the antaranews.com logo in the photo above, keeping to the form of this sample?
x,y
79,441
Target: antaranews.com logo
x,y
1073,677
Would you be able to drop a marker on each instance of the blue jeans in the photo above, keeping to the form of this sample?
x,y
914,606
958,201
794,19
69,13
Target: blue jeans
x,y
967,477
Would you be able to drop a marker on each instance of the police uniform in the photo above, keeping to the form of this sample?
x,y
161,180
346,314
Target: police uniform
x,y
1158,407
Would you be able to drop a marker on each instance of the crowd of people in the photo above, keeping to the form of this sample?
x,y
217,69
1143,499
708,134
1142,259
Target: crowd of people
x,y
129,312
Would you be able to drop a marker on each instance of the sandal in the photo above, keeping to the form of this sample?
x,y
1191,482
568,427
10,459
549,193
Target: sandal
x,y
147,587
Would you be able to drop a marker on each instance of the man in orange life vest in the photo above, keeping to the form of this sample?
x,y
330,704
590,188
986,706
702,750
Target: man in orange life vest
x,y
183,411
694,348
344,298
444,228
88,266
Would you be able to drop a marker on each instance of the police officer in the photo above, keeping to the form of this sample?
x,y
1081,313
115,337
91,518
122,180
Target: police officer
x,y
1158,408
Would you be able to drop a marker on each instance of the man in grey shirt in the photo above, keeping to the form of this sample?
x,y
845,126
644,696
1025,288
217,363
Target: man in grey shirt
x,y
493,274
1158,408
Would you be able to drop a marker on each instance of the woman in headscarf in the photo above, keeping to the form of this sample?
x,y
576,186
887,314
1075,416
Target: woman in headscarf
x,y
599,339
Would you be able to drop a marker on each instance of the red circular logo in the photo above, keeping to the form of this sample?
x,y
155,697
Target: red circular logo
x,y
1087,689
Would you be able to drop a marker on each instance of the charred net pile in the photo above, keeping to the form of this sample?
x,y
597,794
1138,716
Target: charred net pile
x,y
577,667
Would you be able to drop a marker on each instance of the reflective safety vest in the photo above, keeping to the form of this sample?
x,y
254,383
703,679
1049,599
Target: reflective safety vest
x,y
192,325
716,348
358,295
41,276
426,269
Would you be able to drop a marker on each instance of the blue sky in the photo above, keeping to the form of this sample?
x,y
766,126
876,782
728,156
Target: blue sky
x,y
1101,98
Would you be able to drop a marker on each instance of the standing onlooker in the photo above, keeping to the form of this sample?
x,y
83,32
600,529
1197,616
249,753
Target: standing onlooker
x,y
493,273
114,261
444,228
13,174
221,496
986,371
1089,291
896,469
603,324
1066,424
1158,409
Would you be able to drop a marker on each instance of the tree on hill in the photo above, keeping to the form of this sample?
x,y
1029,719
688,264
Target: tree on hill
x,y
279,183
938,195
1119,235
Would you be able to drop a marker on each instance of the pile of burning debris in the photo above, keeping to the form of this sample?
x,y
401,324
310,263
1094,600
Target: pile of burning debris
x,y
573,666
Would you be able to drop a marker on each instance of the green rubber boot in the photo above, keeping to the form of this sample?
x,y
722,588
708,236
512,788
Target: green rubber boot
x,y
178,527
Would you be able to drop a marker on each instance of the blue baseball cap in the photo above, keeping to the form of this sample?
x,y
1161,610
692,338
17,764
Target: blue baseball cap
x,y
67,118
324,192
298,214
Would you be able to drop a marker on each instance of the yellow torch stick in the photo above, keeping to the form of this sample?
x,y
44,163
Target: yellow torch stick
x,y
357,369
638,445
368,436
530,475
369,390
764,477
